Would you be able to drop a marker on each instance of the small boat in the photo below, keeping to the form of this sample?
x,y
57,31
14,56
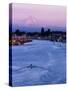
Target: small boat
x,y
30,66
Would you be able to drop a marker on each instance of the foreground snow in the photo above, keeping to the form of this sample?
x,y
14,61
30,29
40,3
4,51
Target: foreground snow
x,y
49,59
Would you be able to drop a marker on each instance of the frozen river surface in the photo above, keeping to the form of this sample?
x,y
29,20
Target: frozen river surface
x,y
39,62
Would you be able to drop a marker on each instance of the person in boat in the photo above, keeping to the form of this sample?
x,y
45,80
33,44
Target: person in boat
x,y
30,66
33,66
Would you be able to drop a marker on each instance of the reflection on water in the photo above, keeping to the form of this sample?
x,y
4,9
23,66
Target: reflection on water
x,y
38,62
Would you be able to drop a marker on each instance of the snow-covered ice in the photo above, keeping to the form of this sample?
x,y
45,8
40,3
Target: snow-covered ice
x,y
48,59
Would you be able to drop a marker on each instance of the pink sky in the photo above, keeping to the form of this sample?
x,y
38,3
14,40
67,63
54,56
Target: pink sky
x,y
38,15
